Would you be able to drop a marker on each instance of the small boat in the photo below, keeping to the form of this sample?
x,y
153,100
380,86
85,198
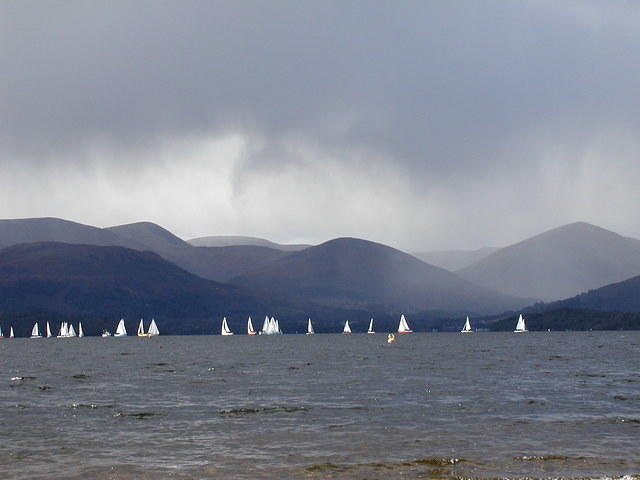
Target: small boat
x,y
153,329
310,330
391,338
347,328
35,331
370,329
106,333
1,334
11,335
403,326
225,328
467,327
250,330
49,331
141,329
71,332
121,330
520,326
80,332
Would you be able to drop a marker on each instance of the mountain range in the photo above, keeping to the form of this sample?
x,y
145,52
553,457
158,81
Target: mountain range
x,y
344,277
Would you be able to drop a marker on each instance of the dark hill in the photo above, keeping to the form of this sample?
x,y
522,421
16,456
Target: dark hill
x,y
622,296
353,273
98,281
558,263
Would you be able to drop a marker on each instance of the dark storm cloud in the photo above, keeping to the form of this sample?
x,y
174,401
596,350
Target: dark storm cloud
x,y
431,97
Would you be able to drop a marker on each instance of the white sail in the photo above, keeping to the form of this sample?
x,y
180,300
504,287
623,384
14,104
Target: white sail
x,y
250,330
347,328
141,329
80,331
467,327
153,329
225,327
48,331
35,331
72,331
121,330
403,326
11,335
370,329
520,327
265,325
63,330
310,330
1,335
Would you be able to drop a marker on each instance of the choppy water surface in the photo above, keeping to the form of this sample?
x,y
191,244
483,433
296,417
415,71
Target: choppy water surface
x,y
541,405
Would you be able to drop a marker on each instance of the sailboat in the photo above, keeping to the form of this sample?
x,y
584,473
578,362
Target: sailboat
x,y
141,329
310,330
121,330
80,332
153,329
250,330
48,331
520,327
106,333
11,335
403,326
467,327
370,329
347,328
35,332
1,334
225,328
271,327
66,330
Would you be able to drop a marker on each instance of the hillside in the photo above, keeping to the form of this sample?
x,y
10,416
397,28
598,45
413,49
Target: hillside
x,y
572,319
353,273
621,296
558,263
98,281
453,260
27,230
235,241
218,264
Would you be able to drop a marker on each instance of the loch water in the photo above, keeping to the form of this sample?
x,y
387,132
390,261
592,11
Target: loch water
x,y
441,405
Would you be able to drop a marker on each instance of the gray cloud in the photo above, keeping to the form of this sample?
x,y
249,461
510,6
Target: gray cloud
x,y
422,124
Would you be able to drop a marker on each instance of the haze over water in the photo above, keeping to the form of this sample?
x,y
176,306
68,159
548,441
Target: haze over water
x,y
541,405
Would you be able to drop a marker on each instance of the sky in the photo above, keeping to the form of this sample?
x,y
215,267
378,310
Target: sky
x,y
420,124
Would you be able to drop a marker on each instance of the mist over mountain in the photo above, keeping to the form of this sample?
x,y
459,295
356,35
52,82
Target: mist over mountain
x,y
558,263
453,260
238,240
354,273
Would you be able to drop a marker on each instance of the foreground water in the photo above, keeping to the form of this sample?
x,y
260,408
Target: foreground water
x,y
537,405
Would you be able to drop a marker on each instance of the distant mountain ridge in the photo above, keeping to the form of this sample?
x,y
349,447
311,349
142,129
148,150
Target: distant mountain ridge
x,y
218,264
238,240
355,273
558,263
453,260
